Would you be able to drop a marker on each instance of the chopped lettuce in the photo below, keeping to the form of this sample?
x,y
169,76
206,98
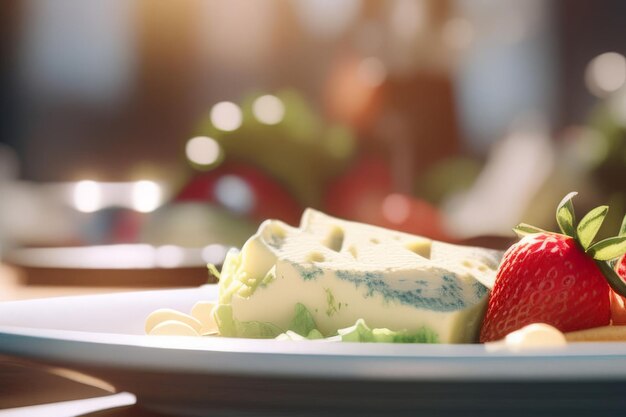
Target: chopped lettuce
x,y
231,327
303,322
291,335
361,332
303,328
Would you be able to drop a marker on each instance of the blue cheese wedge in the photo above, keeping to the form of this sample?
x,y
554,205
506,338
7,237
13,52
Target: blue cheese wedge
x,y
343,272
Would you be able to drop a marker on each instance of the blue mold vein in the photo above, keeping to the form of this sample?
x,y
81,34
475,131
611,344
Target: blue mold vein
x,y
449,296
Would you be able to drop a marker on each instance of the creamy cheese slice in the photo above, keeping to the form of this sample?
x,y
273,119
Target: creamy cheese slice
x,y
343,271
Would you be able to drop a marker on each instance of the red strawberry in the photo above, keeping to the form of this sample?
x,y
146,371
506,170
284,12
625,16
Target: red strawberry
x,y
620,267
618,303
558,279
546,278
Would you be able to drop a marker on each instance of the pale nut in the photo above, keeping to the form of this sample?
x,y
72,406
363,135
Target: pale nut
x,y
173,328
535,336
203,312
166,314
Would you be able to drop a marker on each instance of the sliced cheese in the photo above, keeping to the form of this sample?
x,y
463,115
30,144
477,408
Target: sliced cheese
x,y
344,271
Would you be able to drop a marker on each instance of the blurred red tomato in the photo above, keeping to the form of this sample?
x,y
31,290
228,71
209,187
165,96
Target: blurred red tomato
x,y
357,194
412,215
365,194
245,190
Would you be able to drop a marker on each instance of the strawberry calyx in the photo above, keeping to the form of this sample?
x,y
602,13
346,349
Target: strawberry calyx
x,y
583,233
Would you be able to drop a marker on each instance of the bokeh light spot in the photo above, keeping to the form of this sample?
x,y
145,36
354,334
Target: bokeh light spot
x,y
203,150
169,256
87,196
214,254
396,208
268,109
146,196
226,116
606,73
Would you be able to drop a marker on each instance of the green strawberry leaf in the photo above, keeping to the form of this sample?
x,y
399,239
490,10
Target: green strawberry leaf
x,y
524,229
614,280
590,224
622,232
607,249
565,216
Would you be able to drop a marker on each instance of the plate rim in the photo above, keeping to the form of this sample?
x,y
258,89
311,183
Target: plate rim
x,y
256,357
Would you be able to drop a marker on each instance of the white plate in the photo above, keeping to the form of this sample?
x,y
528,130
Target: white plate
x,y
103,335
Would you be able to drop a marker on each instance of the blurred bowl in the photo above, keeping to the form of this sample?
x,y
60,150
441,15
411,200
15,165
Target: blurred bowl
x,y
128,265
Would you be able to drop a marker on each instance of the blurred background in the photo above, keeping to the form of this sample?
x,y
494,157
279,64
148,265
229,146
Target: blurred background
x,y
184,124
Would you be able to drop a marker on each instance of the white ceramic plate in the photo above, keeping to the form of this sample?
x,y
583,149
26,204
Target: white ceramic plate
x,y
103,335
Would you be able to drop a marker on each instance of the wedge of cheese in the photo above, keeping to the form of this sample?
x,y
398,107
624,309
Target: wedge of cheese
x,y
342,272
